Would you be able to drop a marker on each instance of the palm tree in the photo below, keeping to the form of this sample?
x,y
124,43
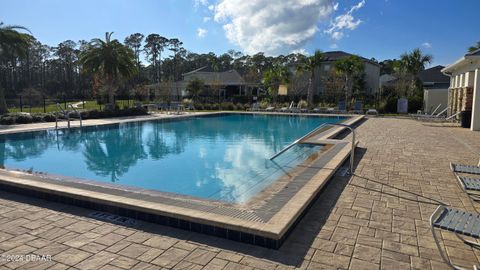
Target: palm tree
x,y
412,63
310,64
274,77
349,67
474,47
12,44
109,60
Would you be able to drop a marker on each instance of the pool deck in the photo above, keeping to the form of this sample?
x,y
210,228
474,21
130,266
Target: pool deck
x,y
376,219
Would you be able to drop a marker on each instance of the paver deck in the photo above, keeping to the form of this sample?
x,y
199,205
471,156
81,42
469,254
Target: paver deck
x,y
377,219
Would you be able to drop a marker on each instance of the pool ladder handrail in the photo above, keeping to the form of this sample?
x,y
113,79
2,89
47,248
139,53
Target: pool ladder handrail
x,y
66,114
352,151
297,141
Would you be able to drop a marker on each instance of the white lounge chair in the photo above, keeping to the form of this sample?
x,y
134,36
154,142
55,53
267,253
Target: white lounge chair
x,y
287,109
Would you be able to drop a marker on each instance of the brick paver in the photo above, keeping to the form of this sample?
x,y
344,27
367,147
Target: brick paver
x,y
377,219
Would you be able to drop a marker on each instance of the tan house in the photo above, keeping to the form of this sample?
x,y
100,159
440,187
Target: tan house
x,y
464,90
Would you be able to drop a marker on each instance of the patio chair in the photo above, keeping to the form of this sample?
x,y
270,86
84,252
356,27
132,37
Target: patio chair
x,y
460,168
456,221
440,119
298,108
342,106
471,186
287,109
415,115
358,107
372,112
319,110
162,106
429,117
270,109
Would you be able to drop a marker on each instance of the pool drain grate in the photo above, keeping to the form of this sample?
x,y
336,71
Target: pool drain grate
x,y
113,218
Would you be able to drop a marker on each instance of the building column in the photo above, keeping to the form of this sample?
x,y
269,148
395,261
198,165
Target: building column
x,y
475,125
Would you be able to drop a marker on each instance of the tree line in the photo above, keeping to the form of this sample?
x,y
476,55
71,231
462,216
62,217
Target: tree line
x,y
83,69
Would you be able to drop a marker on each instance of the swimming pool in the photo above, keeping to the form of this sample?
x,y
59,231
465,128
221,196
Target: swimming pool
x,y
220,157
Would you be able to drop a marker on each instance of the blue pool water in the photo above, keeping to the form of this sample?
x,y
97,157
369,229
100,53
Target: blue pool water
x,y
223,157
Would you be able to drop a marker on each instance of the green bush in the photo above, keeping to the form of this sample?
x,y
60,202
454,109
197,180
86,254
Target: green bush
x,y
415,103
49,117
7,120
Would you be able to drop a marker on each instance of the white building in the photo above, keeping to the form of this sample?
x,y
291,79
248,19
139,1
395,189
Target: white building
x,y
464,90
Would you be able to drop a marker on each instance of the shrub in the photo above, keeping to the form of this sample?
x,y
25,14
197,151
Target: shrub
x,y
415,103
199,106
37,118
303,104
227,106
23,119
7,120
49,117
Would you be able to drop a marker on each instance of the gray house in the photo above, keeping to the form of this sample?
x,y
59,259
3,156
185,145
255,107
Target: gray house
x,y
229,82
371,70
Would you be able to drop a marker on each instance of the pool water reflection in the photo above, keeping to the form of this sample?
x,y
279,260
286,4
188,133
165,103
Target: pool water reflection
x,y
221,157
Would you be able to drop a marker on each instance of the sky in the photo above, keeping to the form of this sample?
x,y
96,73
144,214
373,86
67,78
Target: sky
x,y
380,29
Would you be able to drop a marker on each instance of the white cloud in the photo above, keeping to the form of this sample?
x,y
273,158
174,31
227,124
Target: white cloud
x,y
337,35
301,51
206,19
333,46
344,22
272,27
198,3
201,32
426,45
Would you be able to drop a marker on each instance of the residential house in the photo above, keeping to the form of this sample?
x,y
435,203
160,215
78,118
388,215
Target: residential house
x,y
371,71
464,90
435,89
222,83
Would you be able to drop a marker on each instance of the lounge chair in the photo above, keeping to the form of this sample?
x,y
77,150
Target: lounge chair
x,y
471,186
255,107
358,107
460,168
298,108
456,221
270,109
372,112
429,117
342,107
440,119
319,110
287,109
415,115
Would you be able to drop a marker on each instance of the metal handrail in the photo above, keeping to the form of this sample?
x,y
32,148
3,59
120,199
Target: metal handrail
x,y
65,114
77,112
297,141
352,151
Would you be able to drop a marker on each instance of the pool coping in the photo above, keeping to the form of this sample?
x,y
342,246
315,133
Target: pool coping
x,y
270,233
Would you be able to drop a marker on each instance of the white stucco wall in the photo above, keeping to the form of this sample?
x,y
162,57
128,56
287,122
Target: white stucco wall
x,y
466,73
